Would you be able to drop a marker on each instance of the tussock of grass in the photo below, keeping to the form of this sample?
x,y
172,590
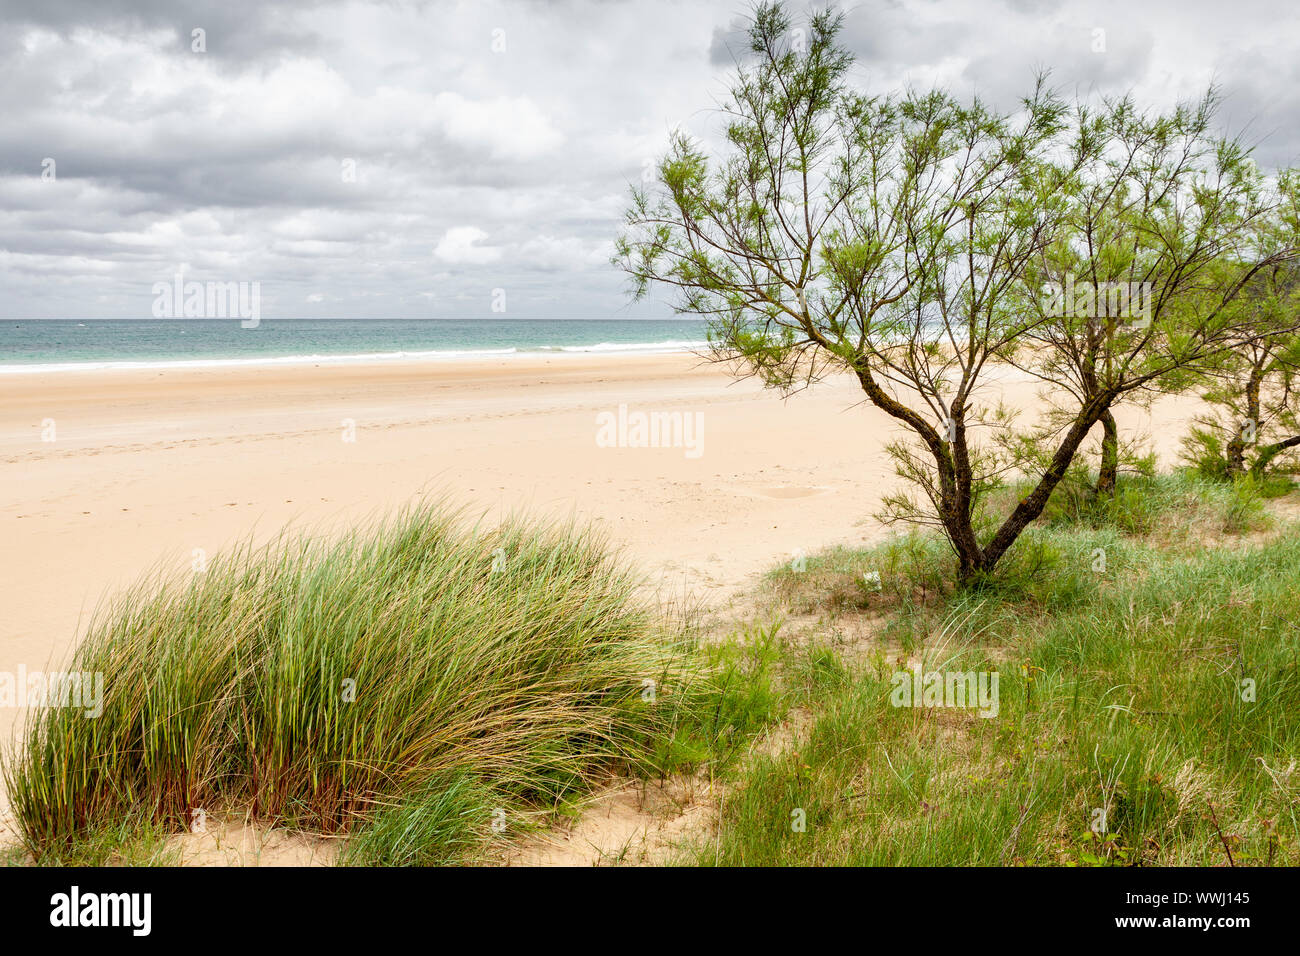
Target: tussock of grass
x,y
400,683
1162,691
742,686
133,840
903,572
1175,509
438,825
736,693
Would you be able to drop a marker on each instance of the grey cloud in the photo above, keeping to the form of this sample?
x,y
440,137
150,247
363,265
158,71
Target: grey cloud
x,y
231,162
237,31
729,44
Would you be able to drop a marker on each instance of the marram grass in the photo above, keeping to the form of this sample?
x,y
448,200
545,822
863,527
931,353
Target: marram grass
x,y
333,686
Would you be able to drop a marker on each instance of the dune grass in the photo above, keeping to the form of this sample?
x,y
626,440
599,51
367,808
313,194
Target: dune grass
x,y
1149,701
421,685
427,689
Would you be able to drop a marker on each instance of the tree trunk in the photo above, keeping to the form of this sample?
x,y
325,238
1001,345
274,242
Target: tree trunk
x,y
974,562
1032,505
953,464
1109,471
1237,454
1237,447
961,530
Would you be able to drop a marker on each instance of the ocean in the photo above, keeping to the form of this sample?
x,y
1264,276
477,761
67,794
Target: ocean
x,y
35,346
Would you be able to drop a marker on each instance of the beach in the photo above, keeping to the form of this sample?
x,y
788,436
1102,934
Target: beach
x,y
158,469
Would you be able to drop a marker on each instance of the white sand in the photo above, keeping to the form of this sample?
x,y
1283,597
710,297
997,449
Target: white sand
x,y
148,466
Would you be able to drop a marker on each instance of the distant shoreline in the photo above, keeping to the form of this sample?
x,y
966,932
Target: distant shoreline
x,y
365,358
69,345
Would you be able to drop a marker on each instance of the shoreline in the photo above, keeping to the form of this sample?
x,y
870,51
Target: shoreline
x,y
610,349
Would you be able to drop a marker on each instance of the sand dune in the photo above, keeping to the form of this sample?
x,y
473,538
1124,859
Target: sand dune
x,y
148,468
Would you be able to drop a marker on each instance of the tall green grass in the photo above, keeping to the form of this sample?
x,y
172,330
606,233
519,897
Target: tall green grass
x,y
1162,690
410,680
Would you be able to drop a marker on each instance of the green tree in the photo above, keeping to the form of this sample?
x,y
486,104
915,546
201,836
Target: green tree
x,y
1254,390
1170,230
1260,396
907,240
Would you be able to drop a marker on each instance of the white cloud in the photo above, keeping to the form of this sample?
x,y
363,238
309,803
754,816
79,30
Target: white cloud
x,y
460,246
505,127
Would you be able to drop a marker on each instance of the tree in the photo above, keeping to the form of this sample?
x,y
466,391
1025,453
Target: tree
x,y
906,240
1254,390
1169,233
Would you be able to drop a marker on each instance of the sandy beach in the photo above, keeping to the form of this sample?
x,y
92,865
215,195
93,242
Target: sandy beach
x,y
148,467
374,495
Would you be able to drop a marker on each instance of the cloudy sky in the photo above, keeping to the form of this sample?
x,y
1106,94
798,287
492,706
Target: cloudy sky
x,y
405,159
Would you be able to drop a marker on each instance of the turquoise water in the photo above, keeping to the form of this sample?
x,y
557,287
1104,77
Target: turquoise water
x,y
60,345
